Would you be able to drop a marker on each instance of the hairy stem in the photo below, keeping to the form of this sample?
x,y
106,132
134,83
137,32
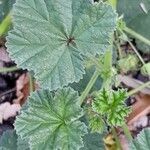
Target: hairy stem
x,y
31,82
5,24
119,49
127,132
139,88
89,86
137,36
133,47
113,3
116,139
11,69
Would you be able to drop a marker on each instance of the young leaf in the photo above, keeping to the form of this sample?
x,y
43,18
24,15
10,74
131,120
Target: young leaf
x,y
51,122
50,37
128,63
10,141
145,70
112,106
96,123
142,142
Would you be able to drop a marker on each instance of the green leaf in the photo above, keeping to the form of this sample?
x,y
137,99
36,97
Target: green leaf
x,y
136,18
10,141
96,123
93,141
142,142
113,3
133,10
128,63
22,144
111,105
50,37
81,85
5,7
51,122
145,70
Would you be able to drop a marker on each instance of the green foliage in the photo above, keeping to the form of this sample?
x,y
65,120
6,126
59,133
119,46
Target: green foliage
x,y
113,3
111,105
106,66
4,26
143,47
128,63
5,18
142,142
107,72
96,122
81,85
22,144
5,7
53,38
145,70
53,48
10,141
51,122
93,141
132,11
136,18
121,24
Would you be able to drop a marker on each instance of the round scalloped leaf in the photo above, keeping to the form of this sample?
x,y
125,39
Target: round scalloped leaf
x,y
142,142
50,37
51,122
10,141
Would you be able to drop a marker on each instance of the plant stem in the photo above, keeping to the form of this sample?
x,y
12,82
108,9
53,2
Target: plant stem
x,y
116,139
113,3
11,69
89,86
31,81
119,49
97,63
136,35
127,132
5,24
139,88
137,53
133,47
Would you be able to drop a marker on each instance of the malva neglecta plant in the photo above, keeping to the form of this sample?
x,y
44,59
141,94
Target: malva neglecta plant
x,y
57,39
